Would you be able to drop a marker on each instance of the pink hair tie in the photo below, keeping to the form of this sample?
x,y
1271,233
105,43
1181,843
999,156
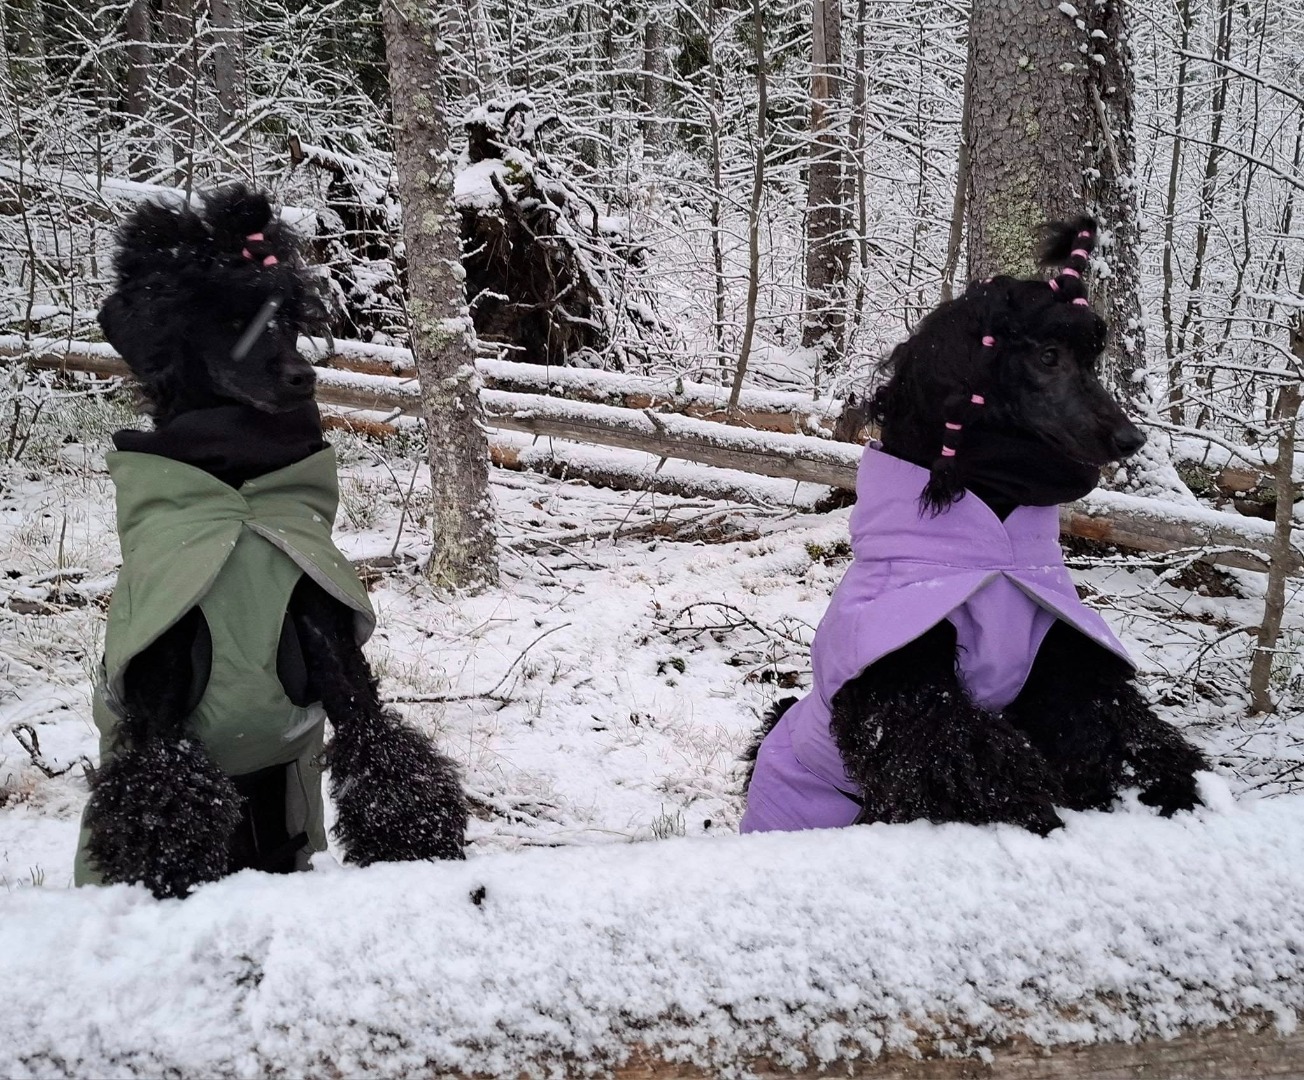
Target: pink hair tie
x,y
988,340
1083,302
1079,253
268,260
947,452
1054,285
953,427
978,399
1068,270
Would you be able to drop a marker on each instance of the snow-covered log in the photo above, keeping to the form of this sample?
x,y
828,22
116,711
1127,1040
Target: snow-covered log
x,y
763,410
32,183
1125,945
1127,521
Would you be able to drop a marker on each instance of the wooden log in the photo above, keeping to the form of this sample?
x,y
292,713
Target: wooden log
x,y
762,410
1126,521
1225,1053
759,410
1130,521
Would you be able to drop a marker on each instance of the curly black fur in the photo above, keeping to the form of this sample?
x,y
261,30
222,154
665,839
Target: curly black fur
x,y
162,815
1085,715
1037,379
185,290
396,798
919,748
772,716
189,284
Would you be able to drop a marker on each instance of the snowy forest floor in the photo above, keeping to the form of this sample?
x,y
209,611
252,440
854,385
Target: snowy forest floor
x,y
603,694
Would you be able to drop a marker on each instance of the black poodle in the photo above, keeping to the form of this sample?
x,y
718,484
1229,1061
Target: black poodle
x,y
236,626
957,675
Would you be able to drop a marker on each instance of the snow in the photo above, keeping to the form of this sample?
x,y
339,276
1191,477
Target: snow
x,y
801,948
597,702
473,187
100,188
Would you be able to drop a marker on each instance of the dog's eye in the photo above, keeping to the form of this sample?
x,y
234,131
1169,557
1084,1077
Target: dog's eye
x,y
1050,357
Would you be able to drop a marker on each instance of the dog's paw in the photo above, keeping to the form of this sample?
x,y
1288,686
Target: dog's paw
x,y
161,815
1036,815
396,798
1164,766
960,766
1180,791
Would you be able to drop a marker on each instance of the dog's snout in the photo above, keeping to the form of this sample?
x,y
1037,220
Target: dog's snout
x,y
1127,439
301,380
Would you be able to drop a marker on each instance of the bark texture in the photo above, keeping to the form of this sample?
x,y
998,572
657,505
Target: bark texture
x,y
828,245
139,60
181,74
465,552
1027,121
1111,191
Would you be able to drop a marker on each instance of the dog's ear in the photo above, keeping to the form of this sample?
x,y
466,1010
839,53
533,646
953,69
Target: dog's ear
x,y
155,235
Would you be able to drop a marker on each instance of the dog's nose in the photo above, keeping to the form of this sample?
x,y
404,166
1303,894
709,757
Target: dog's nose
x,y
1127,440
301,381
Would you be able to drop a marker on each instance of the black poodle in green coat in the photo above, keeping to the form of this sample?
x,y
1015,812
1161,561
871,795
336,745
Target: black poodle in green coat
x,y
236,627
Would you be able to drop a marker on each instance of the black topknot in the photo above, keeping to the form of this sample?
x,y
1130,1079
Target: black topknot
x,y
1059,238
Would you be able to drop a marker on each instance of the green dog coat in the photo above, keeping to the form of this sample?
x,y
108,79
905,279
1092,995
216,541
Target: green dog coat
x,y
189,540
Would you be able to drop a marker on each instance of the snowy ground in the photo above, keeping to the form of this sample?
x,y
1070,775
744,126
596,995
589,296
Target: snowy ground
x,y
601,697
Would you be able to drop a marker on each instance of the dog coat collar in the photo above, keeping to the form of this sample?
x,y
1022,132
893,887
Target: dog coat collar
x,y
1002,584
180,527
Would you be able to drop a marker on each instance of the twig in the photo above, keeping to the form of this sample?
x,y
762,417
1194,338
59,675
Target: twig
x,y
491,695
31,742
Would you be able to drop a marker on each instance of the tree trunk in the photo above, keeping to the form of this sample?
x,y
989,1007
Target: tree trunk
x,y
1028,118
753,209
228,70
1112,193
827,220
181,74
1176,411
139,62
1194,314
859,95
959,201
1279,566
24,42
465,552
654,87
716,204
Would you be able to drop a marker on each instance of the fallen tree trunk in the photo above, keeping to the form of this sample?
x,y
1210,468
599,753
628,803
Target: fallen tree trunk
x,y
761,410
931,954
1125,520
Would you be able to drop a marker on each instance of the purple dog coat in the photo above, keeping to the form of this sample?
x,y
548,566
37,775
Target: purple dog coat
x,y
1002,584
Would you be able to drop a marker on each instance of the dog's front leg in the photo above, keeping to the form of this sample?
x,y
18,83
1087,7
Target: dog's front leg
x,y
1082,710
161,812
396,798
919,748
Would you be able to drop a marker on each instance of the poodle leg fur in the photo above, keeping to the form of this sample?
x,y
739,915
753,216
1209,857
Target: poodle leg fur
x,y
161,812
768,722
919,748
1082,710
396,798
